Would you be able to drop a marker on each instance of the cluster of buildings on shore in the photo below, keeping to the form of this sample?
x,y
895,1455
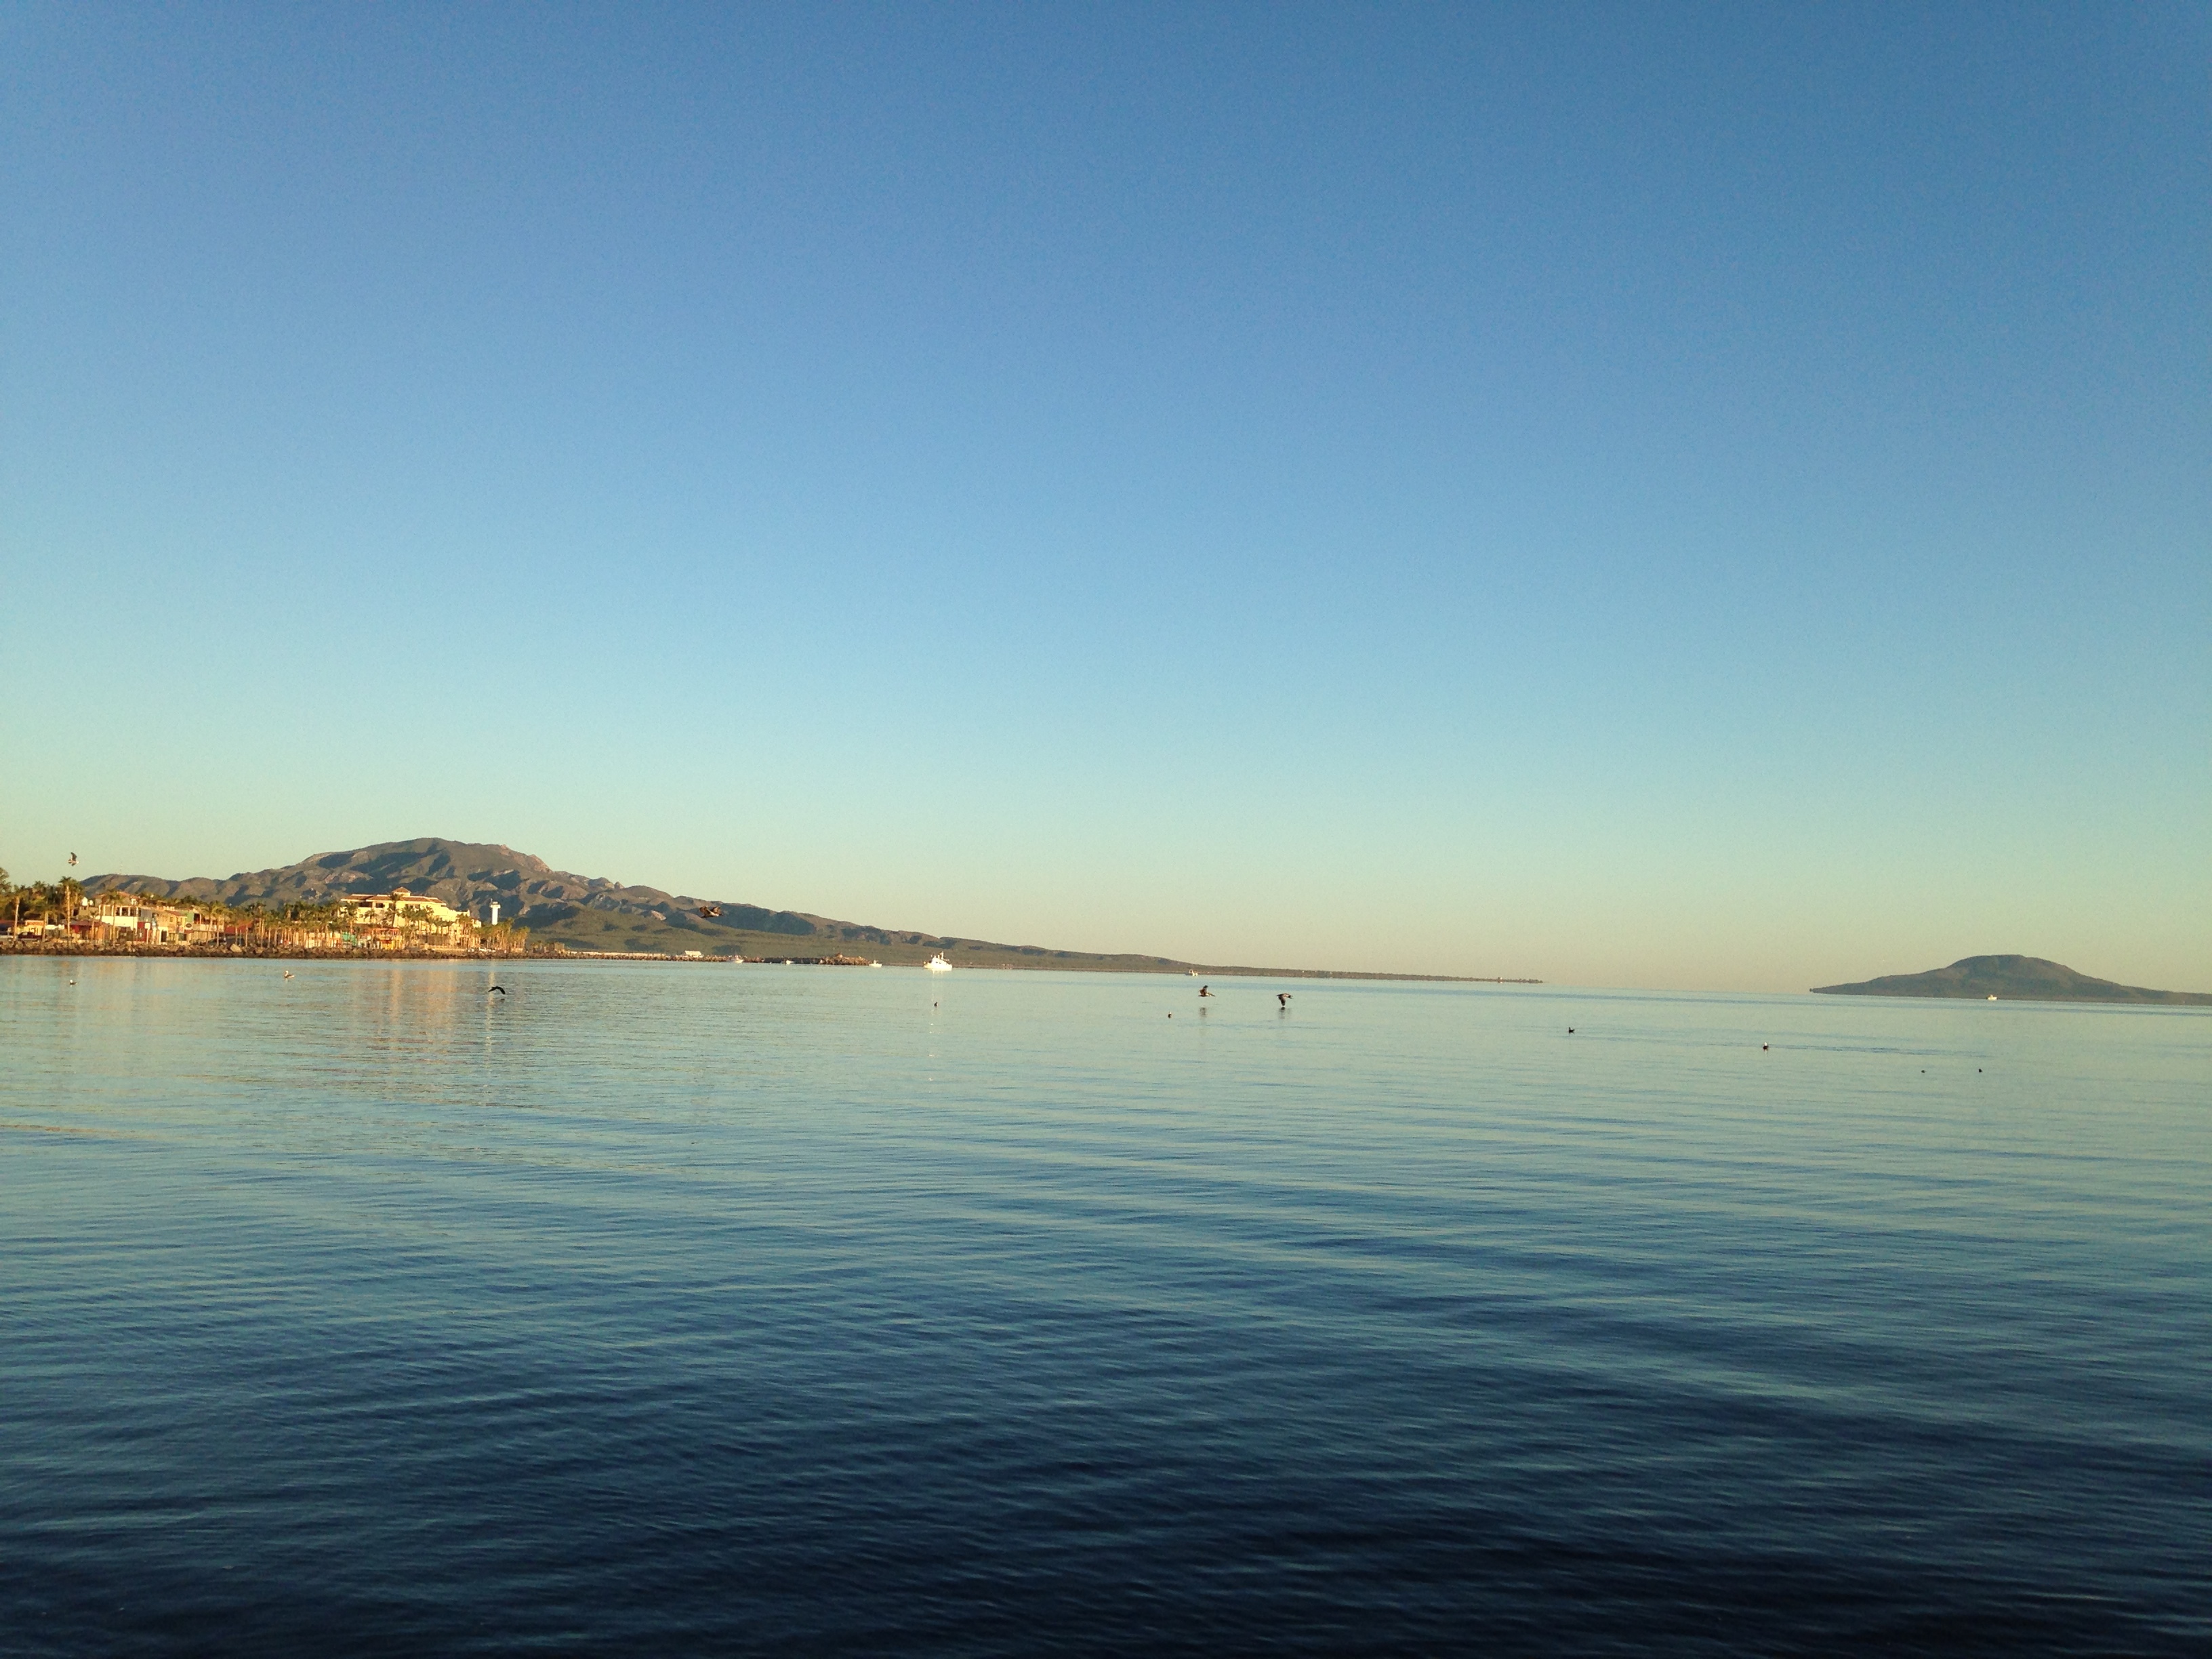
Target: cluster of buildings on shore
x,y
396,920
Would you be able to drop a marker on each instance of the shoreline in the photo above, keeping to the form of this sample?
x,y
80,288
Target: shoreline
x,y
301,953
9,947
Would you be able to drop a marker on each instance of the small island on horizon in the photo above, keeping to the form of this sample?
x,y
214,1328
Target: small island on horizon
x,y
2010,979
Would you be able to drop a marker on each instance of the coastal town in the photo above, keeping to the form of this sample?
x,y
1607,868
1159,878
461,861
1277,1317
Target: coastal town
x,y
62,915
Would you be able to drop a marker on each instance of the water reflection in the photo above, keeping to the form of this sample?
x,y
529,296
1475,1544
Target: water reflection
x,y
637,1306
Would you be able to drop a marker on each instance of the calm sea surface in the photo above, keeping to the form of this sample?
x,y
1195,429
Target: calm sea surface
x,y
676,1309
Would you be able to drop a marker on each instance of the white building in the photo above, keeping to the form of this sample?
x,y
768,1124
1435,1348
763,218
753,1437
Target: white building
x,y
400,912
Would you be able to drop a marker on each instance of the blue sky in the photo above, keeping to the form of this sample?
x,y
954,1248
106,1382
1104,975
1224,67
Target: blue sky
x,y
1705,496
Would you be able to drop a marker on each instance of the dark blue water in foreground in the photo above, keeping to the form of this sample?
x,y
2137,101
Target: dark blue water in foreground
x,y
711,1309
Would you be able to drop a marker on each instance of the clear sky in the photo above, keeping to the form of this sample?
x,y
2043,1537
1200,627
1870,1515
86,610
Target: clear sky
x,y
1686,496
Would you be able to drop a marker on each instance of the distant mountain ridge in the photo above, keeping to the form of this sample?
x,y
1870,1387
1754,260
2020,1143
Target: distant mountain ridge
x,y
2010,978
590,913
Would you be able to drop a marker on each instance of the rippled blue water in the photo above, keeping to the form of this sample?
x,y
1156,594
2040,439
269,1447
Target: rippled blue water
x,y
714,1309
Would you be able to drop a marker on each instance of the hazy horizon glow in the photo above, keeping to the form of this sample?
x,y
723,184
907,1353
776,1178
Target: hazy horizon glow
x,y
1702,499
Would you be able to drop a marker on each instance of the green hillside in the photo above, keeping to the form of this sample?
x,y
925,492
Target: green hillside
x,y
585,928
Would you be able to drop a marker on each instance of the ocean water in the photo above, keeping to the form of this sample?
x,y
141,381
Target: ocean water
x,y
706,1310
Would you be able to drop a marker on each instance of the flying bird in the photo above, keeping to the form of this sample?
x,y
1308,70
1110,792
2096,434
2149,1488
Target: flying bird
x,y
502,989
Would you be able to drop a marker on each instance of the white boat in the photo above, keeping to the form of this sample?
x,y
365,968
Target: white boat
x,y
937,964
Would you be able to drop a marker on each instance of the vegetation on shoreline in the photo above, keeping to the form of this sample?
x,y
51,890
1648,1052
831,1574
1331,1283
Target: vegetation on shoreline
x,y
40,902
90,917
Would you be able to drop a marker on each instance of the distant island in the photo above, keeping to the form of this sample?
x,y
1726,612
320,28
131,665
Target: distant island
x,y
453,887
2010,979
